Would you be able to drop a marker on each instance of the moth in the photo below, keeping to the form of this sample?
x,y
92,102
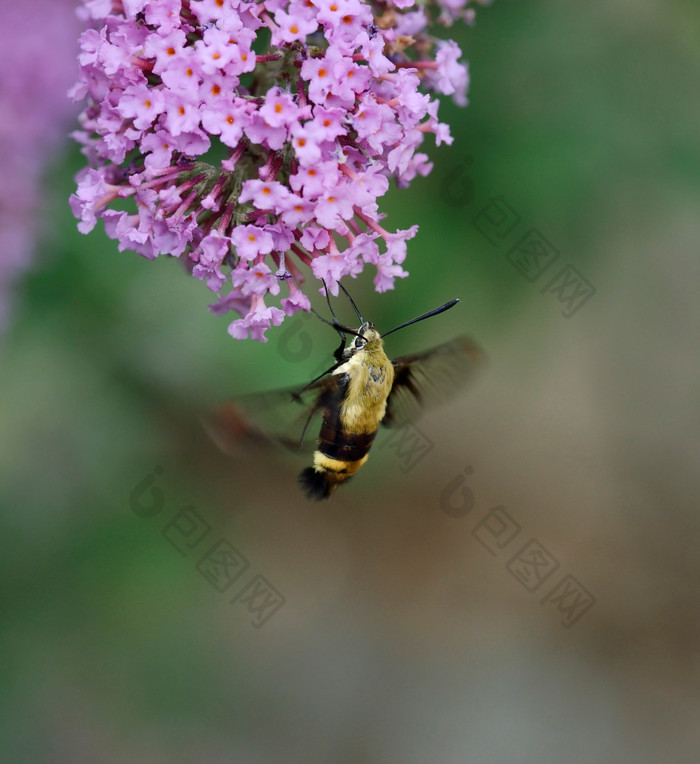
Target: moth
x,y
345,406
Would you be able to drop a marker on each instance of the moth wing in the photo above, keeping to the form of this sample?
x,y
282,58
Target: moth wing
x,y
290,418
428,378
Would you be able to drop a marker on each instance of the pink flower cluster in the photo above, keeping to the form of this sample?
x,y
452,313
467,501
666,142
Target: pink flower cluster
x,y
253,139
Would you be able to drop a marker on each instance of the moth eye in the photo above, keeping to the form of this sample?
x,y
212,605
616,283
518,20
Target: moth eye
x,y
360,342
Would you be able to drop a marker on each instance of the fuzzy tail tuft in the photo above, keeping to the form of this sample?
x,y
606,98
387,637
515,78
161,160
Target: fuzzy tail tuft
x,y
315,484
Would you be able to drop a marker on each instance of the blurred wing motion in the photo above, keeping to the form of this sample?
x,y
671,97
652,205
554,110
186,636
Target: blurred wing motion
x,y
428,378
291,418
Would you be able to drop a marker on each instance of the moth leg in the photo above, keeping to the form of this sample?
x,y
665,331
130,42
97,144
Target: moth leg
x,y
327,371
306,425
338,354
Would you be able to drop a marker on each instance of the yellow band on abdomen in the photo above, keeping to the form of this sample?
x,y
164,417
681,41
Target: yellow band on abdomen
x,y
323,463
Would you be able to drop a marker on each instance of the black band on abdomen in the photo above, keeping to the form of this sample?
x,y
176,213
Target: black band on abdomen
x,y
347,446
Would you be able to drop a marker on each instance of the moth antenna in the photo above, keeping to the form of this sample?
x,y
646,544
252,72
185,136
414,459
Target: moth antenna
x,y
430,313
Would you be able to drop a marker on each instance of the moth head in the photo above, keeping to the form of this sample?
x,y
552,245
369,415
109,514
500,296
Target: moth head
x,y
366,334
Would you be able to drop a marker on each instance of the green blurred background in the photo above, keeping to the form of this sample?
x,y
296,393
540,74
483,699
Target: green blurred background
x,y
402,638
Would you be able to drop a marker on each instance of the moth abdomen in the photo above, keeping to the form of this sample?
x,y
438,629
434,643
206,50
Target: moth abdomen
x,y
328,471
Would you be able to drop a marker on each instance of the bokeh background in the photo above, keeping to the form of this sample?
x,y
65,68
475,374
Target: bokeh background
x,y
402,637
